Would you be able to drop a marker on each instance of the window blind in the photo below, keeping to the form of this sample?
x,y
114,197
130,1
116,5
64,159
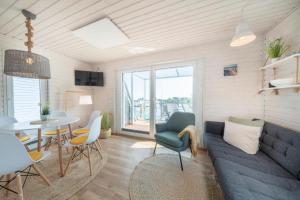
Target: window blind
x,y
26,98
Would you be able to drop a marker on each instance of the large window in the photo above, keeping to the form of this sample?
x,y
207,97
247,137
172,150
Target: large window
x,y
24,98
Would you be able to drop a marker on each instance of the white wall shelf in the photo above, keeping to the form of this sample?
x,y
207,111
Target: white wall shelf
x,y
279,62
297,87
273,66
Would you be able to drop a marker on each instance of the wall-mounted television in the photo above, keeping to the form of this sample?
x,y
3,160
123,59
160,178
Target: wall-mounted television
x,y
89,78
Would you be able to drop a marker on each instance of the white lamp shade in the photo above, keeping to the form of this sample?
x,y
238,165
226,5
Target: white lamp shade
x,y
243,35
85,100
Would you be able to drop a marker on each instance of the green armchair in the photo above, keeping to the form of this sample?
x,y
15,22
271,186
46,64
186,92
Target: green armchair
x,y
167,133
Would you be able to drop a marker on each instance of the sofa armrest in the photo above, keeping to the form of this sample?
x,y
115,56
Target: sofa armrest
x,y
216,128
160,127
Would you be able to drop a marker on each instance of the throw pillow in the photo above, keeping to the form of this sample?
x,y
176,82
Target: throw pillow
x,y
248,122
242,136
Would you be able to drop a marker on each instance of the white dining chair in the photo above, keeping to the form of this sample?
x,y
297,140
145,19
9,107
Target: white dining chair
x,y
85,142
86,129
51,132
15,160
24,137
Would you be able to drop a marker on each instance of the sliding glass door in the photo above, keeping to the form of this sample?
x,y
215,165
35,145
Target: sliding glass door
x,y
136,101
174,91
153,95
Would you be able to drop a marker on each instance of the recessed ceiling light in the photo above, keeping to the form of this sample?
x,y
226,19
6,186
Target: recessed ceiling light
x,y
102,34
140,50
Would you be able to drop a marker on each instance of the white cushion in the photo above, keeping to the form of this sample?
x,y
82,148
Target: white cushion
x,y
243,137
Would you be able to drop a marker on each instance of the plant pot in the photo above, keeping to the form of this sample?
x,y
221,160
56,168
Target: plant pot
x,y
275,59
44,117
105,133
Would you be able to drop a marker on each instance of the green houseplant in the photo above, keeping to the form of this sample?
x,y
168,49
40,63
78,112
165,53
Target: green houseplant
x,y
45,112
106,126
275,49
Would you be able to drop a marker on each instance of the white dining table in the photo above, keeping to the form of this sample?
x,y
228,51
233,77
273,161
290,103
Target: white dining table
x,y
56,123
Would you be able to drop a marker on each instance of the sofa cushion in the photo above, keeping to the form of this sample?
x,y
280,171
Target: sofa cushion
x,y
247,122
283,146
218,148
242,136
169,137
239,182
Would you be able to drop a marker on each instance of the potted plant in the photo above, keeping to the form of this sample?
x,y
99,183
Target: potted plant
x,y
45,112
106,126
275,49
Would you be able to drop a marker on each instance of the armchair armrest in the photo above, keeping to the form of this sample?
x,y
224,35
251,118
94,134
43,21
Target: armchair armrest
x,y
216,128
160,127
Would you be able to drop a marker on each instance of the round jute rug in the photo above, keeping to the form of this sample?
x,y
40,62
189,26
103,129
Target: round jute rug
x,y
61,187
160,178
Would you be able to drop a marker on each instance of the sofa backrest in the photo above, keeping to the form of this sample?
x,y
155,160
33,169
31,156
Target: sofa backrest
x,y
179,120
283,146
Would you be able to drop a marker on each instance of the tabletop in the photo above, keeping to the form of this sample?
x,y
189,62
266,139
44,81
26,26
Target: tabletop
x,y
22,126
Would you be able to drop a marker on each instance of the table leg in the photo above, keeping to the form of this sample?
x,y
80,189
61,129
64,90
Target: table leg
x,y
70,131
39,139
60,153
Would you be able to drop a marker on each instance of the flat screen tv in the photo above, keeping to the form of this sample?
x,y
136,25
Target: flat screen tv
x,y
89,78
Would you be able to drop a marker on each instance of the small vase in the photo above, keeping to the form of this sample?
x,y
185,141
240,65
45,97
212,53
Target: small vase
x,y
44,117
105,133
273,60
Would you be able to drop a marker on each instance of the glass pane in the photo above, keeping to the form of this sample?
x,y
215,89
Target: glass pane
x,y
174,91
136,101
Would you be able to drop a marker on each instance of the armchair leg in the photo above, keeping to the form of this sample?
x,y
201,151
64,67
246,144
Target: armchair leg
x,y
155,148
180,161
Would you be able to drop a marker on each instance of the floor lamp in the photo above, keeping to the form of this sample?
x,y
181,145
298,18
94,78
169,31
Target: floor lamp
x,y
84,99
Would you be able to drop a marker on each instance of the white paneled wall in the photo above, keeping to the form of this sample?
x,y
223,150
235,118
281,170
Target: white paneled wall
x,y
223,96
284,109
62,79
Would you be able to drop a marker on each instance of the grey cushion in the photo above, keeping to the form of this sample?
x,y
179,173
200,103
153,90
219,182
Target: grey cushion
x,y
283,146
169,137
218,148
239,182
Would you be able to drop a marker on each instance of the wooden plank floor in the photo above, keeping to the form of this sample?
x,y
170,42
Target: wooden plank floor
x,y
112,182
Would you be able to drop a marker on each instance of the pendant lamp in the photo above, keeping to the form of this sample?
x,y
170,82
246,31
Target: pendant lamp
x,y
243,34
25,63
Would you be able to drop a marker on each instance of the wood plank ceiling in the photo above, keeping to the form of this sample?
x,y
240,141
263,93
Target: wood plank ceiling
x,y
158,24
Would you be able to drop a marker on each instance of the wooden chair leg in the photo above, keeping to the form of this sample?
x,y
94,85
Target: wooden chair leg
x,y
26,147
48,143
98,149
19,186
8,177
81,151
65,138
89,158
100,146
71,157
42,175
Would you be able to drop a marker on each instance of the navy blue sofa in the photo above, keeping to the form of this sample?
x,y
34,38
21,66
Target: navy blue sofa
x,y
272,173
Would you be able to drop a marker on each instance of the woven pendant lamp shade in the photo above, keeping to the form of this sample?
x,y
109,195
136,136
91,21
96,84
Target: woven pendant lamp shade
x,y
16,64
